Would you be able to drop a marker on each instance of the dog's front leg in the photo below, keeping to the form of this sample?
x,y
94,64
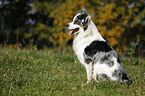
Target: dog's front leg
x,y
89,71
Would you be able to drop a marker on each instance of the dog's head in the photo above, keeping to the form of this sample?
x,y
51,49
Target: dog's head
x,y
79,23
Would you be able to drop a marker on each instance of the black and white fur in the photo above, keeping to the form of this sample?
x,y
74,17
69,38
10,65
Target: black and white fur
x,y
94,52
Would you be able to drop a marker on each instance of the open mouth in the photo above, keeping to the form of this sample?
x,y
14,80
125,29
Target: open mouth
x,y
73,31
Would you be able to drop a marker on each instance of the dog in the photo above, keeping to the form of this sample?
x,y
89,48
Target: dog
x,y
100,60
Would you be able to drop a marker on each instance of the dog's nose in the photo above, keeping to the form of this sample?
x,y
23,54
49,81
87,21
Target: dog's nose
x,y
67,25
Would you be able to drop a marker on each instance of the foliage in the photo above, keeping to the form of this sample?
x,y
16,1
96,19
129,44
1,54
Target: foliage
x,y
119,19
119,22
13,19
32,72
19,23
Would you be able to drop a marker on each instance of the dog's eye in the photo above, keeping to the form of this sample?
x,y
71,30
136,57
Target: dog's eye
x,y
76,21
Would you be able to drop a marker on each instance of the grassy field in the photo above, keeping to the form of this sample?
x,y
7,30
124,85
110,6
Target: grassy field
x,y
29,72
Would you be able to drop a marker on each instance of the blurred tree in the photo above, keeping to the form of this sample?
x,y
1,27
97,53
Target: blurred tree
x,y
18,23
119,22
62,12
14,19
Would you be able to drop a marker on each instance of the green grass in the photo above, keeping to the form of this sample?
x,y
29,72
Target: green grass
x,y
28,72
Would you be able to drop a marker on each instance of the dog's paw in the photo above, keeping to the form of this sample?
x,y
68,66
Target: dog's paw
x,y
88,82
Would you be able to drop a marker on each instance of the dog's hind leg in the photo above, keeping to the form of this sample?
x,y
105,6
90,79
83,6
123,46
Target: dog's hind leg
x,y
95,74
89,71
95,77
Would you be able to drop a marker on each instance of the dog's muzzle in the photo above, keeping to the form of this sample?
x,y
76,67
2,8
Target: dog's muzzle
x,y
73,31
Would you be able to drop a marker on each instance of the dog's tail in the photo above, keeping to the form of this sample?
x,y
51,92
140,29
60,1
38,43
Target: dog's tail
x,y
125,78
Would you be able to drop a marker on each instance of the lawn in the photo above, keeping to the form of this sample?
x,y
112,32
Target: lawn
x,y
33,72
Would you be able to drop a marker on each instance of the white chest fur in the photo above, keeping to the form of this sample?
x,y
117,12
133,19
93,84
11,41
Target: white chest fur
x,y
85,38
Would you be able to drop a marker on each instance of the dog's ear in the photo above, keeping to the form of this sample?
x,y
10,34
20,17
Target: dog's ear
x,y
88,17
87,20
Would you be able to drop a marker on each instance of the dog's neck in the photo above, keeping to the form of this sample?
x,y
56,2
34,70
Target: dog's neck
x,y
94,31
91,31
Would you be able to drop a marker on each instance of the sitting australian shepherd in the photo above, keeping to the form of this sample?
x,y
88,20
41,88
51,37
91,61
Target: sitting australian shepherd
x,y
94,52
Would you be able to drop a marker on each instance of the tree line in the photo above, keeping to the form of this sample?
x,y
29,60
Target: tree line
x,y
42,22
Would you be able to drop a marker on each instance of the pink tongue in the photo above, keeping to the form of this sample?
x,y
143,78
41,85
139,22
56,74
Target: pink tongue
x,y
70,32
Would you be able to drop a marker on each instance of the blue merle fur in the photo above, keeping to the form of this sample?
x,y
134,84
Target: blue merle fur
x,y
100,51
